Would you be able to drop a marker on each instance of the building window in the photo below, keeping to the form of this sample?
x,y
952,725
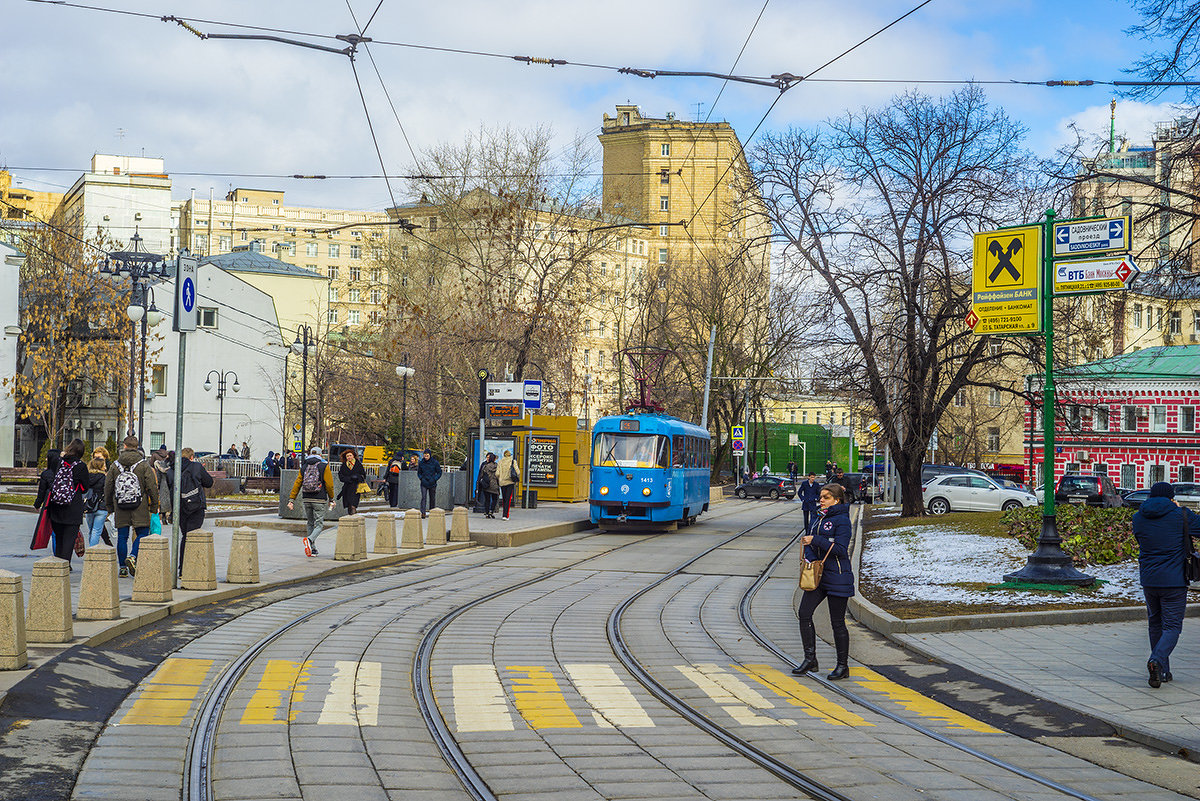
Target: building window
x,y
804,418
1158,319
310,249
960,398
332,272
818,418
1129,418
1072,467
845,418
1158,419
1175,323
665,149
375,274
432,281
1129,475
995,346
404,280
333,294
1187,419
662,255
1187,472
1100,421
793,417
1196,322
664,177
664,230
1137,315
664,203
158,379
354,296
355,272
335,250
1158,472
332,316
993,440
376,296
376,316
208,318
993,397
243,236
356,251
354,317
432,224
587,357
201,241
224,243
404,251
602,328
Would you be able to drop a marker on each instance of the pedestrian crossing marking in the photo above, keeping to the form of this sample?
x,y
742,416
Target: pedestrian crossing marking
x,y
282,679
353,697
612,703
795,693
167,696
479,700
734,696
915,702
539,699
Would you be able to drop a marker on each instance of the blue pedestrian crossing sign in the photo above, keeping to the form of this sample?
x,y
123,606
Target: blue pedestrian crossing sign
x,y
1101,235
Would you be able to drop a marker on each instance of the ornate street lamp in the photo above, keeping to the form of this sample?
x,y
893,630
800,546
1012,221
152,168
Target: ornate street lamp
x,y
221,377
304,342
404,371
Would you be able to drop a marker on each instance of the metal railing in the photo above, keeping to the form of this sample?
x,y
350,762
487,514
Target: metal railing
x,y
234,468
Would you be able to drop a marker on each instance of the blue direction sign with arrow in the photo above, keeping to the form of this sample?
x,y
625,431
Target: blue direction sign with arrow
x,y
1102,235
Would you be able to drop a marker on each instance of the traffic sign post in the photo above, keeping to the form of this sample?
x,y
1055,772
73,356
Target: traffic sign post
x,y
1090,276
1007,281
1091,237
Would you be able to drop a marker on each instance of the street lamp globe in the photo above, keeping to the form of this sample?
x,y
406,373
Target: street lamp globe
x,y
297,346
404,372
236,385
153,315
134,312
551,406
207,386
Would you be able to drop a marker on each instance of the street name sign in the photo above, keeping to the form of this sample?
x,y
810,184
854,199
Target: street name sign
x,y
1085,276
506,391
1006,281
1085,237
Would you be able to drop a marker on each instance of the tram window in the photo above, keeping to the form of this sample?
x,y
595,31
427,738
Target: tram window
x,y
631,450
680,451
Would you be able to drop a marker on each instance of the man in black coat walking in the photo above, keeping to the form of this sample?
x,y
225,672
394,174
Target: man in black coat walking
x,y
428,473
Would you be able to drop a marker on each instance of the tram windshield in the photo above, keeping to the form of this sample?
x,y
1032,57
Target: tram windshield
x,y
631,450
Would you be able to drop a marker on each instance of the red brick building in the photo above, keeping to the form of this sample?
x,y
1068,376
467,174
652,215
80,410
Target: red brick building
x,y
1131,417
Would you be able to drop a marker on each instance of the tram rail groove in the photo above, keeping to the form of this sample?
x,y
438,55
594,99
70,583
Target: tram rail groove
x,y
747,622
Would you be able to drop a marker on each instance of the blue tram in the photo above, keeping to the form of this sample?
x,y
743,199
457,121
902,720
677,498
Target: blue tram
x,y
649,471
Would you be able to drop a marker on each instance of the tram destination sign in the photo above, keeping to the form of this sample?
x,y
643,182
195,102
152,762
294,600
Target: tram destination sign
x,y
1087,237
541,460
1006,281
1085,276
505,410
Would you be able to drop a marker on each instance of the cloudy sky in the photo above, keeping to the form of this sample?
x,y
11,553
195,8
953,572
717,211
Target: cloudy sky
x,y
83,81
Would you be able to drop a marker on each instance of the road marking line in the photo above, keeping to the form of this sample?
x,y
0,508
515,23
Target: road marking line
x,y
166,697
479,700
353,697
539,700
795,693
611,700
732,694
281,679
915,702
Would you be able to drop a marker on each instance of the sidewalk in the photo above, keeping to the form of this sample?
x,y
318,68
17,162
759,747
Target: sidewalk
x,y
281,560
1096,668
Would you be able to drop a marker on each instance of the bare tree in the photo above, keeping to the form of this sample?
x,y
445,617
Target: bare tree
x,y
1176,23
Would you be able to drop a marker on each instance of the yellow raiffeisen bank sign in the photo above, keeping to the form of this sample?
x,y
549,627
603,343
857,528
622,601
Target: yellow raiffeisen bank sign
x,y
1006,281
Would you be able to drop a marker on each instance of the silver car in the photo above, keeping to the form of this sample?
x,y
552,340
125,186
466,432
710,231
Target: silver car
x,y
972,493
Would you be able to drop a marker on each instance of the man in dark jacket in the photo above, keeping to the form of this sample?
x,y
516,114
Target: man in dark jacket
x,y
192,501
809,491
1161,526
428,473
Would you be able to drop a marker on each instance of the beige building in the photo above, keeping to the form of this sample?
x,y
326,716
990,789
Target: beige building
x,y
19,203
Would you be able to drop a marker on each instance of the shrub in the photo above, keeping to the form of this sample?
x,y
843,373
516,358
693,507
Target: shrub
x,y
1090,535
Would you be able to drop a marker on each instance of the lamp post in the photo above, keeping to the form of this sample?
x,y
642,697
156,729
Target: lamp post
x,y
140,267
304,341
221,376
587,420
404,371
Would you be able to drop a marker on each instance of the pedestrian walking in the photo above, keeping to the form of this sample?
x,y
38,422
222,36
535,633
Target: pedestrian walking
x,y
131,492
270,465
163,461
1163,531
352,474
509,475
489,485
829,465
95,513
791,468
60,490
809,494
828,540
194,479
392,480
245,451
429,470
315,481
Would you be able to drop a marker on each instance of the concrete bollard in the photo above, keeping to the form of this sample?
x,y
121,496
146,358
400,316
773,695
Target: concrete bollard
x,y
349,530
412,536
152,583
12,622
360,537
385,533
48,618
435,529
199,562
98,597
243,557
460,528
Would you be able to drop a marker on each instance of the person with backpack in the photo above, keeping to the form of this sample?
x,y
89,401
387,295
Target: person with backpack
x,y
315,481
509,475
60,491
131,491
489,485
95,514
429,470
192,501
163,460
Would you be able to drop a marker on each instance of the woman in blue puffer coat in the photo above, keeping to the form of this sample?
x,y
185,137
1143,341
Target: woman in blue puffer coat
x,y
829,536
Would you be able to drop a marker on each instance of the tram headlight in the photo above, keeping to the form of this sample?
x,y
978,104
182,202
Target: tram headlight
x,y
645,490
604,490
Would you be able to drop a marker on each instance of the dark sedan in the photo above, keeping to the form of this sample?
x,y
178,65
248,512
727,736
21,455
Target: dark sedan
x,y
766,487
1136,498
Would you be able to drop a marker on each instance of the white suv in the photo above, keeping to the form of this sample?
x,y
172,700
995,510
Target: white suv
x,y
972,493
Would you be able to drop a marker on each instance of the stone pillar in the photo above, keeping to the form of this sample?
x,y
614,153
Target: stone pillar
x,y
435,529
385,533
48,618
98,598
412,536
152,583
199,562
351,539
460,529
243,557
12,622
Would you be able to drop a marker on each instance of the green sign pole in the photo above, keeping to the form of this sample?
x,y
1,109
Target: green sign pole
x,y
1049,564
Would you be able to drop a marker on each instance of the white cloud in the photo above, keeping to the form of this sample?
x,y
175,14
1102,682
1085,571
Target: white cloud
x,y
1135,122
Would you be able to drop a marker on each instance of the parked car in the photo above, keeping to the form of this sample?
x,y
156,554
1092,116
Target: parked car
x,y
971,493
1136,498
932,471
1008,483
766,487
1082,488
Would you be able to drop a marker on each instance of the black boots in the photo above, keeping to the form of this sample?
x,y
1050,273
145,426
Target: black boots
x,y
841,644
808,635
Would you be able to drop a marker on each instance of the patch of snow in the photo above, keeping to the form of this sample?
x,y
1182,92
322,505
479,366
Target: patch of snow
x,y
924,562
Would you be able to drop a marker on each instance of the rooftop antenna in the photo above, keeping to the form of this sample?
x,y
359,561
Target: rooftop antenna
x,y
121,135
699,110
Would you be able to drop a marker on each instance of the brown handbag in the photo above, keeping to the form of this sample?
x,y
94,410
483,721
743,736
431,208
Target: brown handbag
x,y
810,572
